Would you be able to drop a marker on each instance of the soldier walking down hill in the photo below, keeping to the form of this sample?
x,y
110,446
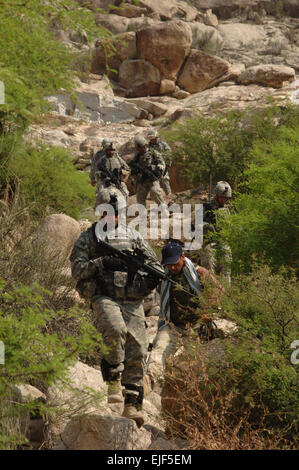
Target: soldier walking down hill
x,y
148,166
109,171
116,292
214,256
156,143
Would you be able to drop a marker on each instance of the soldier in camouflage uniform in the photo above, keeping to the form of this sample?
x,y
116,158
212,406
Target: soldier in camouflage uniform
x,y
162,147
216,257
153,161
116,295
94,161
106,162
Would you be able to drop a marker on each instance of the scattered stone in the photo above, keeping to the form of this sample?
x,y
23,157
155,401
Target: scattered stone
x,y
201,70
180,94
167,87
268,75
210,19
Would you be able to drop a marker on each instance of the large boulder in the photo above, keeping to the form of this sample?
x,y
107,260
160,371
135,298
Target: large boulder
x,y
96,432
125,48
236,35
267,75
114,23
57,235
166,46
201,70
169,9
228,8
206,38
84,391
139,77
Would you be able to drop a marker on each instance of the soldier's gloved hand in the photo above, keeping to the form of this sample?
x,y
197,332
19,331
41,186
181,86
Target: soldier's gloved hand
x,y
111,263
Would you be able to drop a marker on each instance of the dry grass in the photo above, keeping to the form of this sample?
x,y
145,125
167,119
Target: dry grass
x,y
200,411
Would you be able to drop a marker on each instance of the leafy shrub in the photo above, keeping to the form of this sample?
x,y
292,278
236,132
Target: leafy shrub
x,y
47,177
35,353
220,146
240,392
265,221
34,63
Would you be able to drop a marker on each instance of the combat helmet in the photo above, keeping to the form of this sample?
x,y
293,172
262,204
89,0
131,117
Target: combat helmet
x,y
222,188
140,141
108,144
152,134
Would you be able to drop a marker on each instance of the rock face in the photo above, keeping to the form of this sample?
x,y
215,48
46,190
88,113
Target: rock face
x,y
100,108
267,75
58,234
200,70
139,77
125,48
169,9
165,45
96,432
237,34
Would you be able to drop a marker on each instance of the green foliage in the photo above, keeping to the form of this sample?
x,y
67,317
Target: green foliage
x,y
221,145
242,392
265,222
47,177
35,353
33,62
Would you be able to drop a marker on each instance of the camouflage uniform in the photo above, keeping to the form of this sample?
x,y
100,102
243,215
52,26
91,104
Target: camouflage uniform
x,y
163,147
216,257
117,305
105,188
152,160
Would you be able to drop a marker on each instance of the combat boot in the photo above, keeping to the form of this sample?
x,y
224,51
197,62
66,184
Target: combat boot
x,y
131,412
115,391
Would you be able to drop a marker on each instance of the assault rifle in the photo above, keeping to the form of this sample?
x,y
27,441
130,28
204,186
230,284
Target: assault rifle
x,y
153,175
136,261
112,177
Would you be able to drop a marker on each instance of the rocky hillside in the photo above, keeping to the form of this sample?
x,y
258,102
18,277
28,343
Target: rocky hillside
x,y
165,60
168,59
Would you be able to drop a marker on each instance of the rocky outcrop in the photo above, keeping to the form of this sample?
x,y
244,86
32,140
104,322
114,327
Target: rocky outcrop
x,y
97,432
169,9
57,235
201,70
165,46
269,75
139,77
242,34
107,61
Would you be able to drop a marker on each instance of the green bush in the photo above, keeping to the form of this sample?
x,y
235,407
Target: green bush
x,y
36,352
241,392
47,177
220,146
33,62
265,222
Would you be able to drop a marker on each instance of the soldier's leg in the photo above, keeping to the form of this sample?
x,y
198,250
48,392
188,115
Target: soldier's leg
x,y
208,258
165,184
136,348
109,322
142,190
156,193
224,260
